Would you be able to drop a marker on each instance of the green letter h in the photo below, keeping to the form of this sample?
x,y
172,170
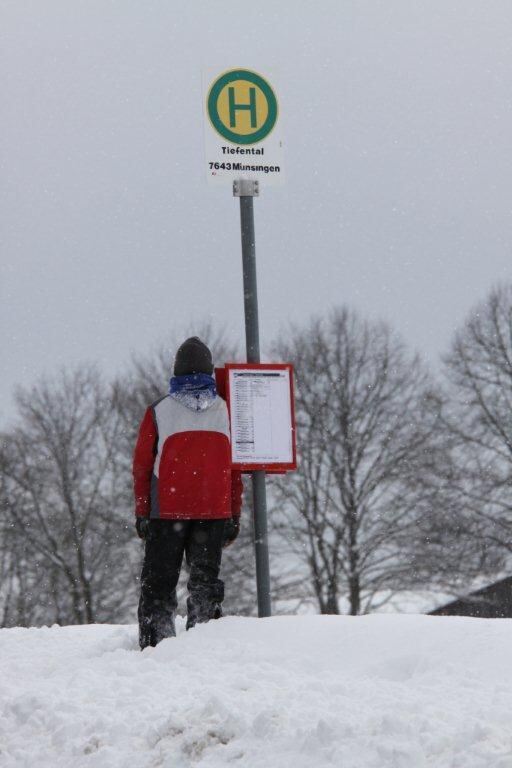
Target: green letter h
x,y
233,107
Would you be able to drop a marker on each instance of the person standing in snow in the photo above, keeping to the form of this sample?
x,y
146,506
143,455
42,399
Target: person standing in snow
x,y
187,498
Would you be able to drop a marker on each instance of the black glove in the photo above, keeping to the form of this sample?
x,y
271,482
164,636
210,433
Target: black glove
x,y
231,531
142,526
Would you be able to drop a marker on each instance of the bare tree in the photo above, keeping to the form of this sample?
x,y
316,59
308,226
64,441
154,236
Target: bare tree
x,y
20,574
479,369
367,423
64,499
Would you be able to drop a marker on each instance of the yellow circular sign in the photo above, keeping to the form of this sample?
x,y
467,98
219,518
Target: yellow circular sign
x,y
238,95
242,106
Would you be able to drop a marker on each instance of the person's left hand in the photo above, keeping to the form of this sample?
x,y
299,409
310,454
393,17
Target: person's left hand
x,y
231,531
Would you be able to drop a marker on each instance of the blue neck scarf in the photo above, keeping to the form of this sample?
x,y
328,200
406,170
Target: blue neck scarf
x,y
196,391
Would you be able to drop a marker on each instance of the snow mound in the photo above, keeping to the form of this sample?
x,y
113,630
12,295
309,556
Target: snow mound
x,y
287,692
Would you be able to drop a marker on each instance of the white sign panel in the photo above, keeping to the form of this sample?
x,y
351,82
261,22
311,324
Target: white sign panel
x,y
261,420
242,127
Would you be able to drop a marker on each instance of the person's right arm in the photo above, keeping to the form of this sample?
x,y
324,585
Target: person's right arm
x,y
143,462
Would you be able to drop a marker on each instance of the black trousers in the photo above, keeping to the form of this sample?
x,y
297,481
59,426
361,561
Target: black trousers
x,y
166,542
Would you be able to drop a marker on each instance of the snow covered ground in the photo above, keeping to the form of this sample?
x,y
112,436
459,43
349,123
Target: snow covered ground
x,y
288,692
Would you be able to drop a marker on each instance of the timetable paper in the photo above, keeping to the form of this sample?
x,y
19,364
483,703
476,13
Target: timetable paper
x,y
261,419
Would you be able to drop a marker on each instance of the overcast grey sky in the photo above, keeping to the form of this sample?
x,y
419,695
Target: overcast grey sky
x,y
398,125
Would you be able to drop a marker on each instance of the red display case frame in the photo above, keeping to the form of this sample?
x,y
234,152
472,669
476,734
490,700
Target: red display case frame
x,y
222,379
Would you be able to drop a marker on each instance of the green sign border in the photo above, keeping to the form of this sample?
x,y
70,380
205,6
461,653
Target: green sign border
x,y
213,114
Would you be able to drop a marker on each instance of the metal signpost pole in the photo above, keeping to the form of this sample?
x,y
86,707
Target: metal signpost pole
x,y
246,190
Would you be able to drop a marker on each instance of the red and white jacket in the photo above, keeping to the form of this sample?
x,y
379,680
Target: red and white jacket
x,y
182,463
